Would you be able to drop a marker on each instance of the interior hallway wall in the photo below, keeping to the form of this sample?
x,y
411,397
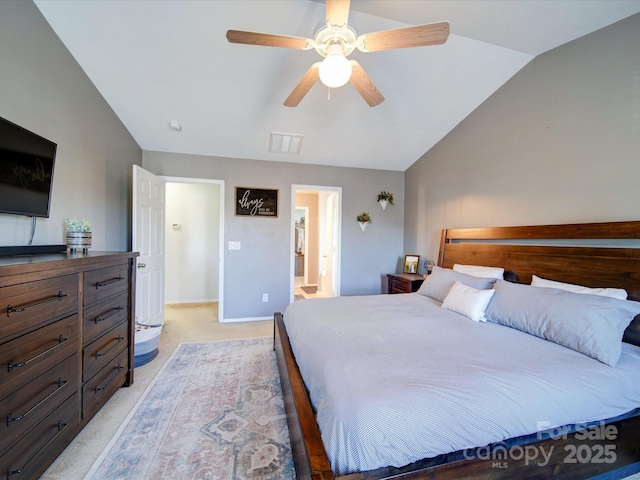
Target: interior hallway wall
x,y
192,233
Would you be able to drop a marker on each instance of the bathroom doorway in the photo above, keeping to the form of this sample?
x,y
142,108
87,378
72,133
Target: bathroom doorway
x,y
315,241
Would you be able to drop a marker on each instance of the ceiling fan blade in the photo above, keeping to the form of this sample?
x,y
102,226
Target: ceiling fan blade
x,y
364,85
338,12
417,36
269,40
303,87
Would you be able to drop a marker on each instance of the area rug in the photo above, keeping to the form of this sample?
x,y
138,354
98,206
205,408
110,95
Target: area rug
x,y
312,289
214,411
298,296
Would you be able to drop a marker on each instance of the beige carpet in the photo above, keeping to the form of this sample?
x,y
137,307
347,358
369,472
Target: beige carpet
x,y
186,323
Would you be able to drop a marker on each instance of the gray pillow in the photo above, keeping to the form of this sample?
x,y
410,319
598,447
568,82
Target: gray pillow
x,y
440,281
589,324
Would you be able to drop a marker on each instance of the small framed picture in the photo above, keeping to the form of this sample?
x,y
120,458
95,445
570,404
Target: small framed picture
x,y
411,263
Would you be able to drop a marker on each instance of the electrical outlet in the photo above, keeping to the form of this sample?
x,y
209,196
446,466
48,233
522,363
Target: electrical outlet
x,y
265,297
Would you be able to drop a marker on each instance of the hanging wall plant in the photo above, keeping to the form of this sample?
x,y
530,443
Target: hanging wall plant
x,y
385,198
363,219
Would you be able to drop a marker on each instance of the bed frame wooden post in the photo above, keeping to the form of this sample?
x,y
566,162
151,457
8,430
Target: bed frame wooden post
x,y
309,456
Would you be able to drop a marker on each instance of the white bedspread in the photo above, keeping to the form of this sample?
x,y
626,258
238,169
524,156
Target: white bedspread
x,y
396,378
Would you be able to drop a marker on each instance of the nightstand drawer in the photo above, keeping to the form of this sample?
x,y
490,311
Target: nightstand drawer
x,y
403,282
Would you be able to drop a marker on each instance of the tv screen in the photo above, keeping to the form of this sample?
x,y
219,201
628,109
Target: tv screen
x,y
26,171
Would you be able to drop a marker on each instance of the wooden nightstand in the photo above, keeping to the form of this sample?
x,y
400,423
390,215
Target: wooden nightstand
x,y
404,282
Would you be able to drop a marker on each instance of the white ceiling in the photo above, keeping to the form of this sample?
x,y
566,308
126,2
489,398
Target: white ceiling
x,y
160,61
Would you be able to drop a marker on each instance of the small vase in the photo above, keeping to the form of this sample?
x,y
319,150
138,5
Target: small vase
x,y
383,203
78,240
363,226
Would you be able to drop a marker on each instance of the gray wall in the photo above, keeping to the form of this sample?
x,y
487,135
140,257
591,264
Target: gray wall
x,y
263,263
43,89
558,143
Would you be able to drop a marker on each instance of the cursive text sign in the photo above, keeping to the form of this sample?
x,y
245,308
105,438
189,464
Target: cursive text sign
x,y
256,202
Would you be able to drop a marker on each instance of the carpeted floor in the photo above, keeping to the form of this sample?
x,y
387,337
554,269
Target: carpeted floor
x,y
214,411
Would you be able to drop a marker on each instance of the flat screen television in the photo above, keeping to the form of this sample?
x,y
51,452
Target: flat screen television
x,y
26,171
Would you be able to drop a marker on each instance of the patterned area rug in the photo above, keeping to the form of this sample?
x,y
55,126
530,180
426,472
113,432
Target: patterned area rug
x,y
214,411
312,289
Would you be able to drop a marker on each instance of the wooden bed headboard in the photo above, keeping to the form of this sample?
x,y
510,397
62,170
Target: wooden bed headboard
x,y
591,266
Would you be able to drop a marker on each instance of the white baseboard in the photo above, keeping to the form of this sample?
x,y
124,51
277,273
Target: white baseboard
x,y
181,302
246,319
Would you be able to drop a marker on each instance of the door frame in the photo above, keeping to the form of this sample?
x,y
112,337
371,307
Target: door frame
x,y
337,261
220,183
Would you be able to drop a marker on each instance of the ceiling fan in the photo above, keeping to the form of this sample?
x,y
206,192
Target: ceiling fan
x,y
335,41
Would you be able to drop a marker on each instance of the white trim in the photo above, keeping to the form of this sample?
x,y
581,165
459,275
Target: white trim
x,y
187,302
221,234
245,319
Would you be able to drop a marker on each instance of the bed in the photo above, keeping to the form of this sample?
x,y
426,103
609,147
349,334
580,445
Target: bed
x,y
461,451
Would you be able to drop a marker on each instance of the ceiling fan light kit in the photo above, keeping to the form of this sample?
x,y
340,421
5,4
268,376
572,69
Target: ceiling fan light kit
x,y
335,69
335,41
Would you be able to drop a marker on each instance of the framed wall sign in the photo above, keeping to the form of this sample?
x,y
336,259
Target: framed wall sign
x,y
256,202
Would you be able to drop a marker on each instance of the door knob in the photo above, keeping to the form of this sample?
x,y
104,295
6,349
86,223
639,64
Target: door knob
x,y
142,265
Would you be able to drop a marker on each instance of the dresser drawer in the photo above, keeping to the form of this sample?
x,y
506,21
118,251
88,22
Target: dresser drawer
x,y
104,316
97,354
26,356
35,452
105,282
104,384
27,406
29,305
400,285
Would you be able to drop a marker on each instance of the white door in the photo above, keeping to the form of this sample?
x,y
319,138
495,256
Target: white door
x,y
147,227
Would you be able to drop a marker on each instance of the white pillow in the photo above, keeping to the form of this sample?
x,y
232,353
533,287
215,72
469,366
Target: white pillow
x,y
478,271
618,293
468,301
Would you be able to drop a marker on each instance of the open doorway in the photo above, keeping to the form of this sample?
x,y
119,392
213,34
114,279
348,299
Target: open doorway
x,y
193,233
315,241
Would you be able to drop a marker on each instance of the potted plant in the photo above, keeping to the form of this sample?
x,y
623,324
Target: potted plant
x,y
363,220
385,198
78,234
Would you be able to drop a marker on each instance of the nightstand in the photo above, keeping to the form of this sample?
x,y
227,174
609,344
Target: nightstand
x,y
404,282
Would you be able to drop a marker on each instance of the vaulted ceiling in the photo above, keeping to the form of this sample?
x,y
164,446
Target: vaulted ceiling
x,y
157,62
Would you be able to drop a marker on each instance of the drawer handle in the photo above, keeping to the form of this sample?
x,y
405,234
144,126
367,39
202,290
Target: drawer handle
x,y
102,319
58,297
120,368
118,340
61,384
109,282
61,426
11,365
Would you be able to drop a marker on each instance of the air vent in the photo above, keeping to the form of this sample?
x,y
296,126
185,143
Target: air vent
x,y
285,143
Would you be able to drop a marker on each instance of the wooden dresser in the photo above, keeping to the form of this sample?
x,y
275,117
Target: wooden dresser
x,y
403,282
66,345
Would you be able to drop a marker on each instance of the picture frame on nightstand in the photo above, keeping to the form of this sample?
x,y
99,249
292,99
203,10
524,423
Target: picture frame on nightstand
x,y
411,264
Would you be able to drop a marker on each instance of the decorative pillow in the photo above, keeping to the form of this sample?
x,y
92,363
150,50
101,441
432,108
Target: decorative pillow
x,y
468,301
590,324
438,284
478,271
570,287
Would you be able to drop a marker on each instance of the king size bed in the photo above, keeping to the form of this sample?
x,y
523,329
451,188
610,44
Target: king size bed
x,y
477,374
